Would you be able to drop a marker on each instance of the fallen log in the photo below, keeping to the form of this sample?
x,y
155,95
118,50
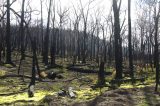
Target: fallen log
x,y
127,80
15,75
79,65
29,56
81,70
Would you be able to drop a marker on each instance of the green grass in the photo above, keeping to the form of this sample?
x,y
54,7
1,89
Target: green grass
x,y
8,65
2,73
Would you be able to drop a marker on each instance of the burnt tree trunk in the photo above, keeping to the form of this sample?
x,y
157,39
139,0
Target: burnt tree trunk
x,y
53,48
42,28
91,56
117,41
84,45
78,46
130,41
104,46
46,39
98,44
1,44
8,36
156,54
22,31
32,83
0,53
101,76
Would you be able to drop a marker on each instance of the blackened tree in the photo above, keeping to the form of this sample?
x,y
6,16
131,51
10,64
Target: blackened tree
x,y
117,41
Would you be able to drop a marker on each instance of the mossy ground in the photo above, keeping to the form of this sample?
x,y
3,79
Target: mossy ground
x,y
13,90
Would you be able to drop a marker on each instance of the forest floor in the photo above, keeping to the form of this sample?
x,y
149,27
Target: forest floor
x,y
13,89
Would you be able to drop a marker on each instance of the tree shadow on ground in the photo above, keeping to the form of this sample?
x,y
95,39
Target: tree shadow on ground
x,y
14,93
24,103
118,97
150,96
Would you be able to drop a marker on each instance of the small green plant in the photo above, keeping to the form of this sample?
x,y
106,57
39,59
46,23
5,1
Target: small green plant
x,y
2,72
8,65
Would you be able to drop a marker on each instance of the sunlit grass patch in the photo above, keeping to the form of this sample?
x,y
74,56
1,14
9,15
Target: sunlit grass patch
x,y
10,89
86,94
2,73
8,65
109,69
39,95
8,86
126,86
150,80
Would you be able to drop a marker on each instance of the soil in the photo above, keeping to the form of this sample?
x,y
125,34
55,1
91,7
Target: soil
x,y
119,97
126,97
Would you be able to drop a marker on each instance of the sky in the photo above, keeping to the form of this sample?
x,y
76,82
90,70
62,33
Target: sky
x,y
103,5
